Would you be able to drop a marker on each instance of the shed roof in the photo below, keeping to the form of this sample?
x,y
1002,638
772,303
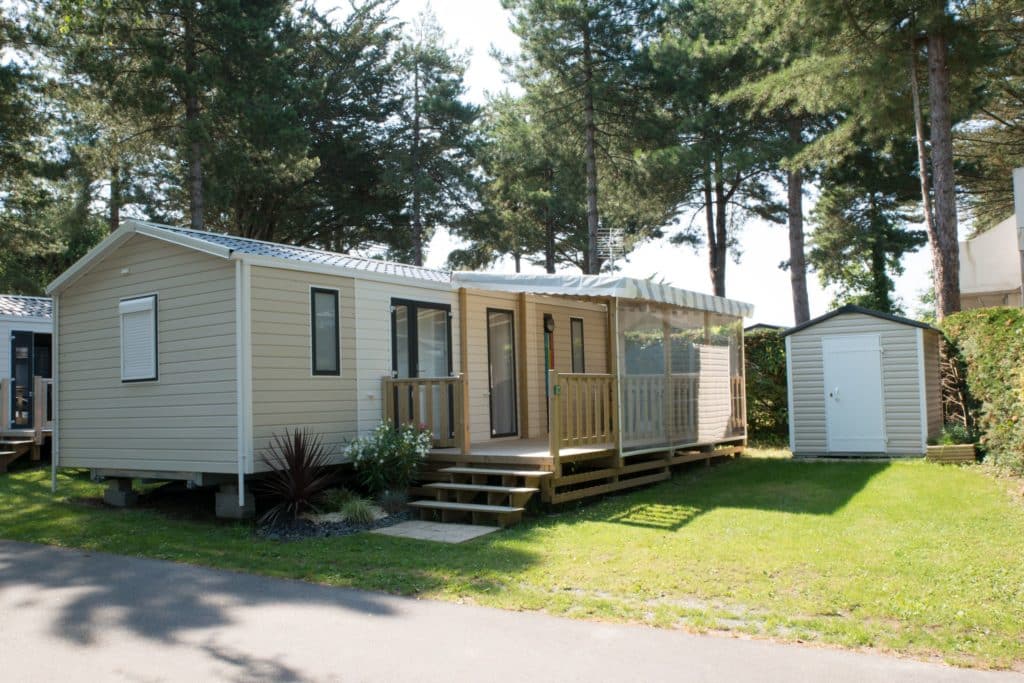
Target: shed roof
x,y
614,286
851,308
16,306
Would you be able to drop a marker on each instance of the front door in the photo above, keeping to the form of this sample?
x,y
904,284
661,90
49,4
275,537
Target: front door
x,y
501,362
21,380
854,411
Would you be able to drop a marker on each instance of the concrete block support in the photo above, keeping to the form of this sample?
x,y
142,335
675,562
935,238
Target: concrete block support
x,y
119,493
227,503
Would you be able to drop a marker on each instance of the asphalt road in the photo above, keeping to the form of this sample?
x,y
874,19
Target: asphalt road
x,y
77,616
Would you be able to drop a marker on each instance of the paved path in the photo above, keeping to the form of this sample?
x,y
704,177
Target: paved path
x,y
77,616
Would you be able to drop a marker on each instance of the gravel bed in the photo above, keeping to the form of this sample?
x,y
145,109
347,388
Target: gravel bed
x,y
303,529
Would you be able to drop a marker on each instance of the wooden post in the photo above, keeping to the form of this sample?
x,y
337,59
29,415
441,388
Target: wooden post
x,y
38,407
462,414
555,428
523,367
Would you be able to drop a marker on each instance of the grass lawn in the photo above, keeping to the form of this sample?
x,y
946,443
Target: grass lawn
x,y
915,558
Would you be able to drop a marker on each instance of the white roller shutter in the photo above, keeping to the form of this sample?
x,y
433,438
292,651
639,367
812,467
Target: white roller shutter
x,y
138,339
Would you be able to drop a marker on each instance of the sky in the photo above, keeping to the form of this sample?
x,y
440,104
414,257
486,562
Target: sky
x,y
478,26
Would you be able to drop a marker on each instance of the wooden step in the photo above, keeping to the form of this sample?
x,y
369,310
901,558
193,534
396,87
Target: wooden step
x,y
504,515
495,472
16,442
481,487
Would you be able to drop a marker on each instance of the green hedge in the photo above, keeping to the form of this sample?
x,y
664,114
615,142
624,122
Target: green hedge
x,y
990,342
767,410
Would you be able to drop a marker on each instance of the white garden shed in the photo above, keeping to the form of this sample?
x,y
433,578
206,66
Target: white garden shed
x,y
862,382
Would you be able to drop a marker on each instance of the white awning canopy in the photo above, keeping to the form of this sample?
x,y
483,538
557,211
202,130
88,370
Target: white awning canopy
x,y
614,286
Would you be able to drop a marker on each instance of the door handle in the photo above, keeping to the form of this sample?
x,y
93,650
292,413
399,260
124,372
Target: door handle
x,y
834,393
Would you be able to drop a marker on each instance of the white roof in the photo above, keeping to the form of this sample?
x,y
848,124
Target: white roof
x,y
16,306
243,245
603,286
264,253
317,260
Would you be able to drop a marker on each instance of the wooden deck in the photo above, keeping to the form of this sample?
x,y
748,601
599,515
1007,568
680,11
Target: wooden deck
x,y
535,452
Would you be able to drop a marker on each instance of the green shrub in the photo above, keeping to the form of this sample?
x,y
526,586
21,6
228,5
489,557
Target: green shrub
x,y
335,499
990,343
394,501
389,458
767,403
358,511
954,433
299,474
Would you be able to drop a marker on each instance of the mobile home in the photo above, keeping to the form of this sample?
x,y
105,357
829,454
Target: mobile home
x,y
25,388
180,353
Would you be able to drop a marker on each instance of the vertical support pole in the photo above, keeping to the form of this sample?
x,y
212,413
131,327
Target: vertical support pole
x,y
463,415
667,399
55,416
618,373
523,368
743,381
555,428
5,402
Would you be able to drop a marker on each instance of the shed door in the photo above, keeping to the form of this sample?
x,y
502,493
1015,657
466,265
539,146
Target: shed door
x,y
854,410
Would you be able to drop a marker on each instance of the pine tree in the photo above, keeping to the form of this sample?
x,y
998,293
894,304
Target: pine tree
x,y
861,224
435,137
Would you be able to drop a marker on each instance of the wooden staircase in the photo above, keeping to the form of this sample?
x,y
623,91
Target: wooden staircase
x,y
12,449
480,495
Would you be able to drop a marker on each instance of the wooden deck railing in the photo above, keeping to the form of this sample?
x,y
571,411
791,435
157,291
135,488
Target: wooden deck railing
x,y
42,404
584,410
42,407
435,402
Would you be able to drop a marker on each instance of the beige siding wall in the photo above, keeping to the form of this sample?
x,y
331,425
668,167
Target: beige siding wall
x,y
373,342
185,421
900,383
285,393
932,379
529,350
595,347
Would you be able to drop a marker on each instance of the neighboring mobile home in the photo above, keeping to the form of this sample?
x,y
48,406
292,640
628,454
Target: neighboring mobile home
x,y
992,261
27,325
862,383
180,353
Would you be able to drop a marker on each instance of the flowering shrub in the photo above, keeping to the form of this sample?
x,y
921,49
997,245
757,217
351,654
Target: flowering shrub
x,y
389,458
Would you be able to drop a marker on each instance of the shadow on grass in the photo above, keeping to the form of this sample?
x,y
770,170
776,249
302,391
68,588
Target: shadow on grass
x,y
771,484
161,601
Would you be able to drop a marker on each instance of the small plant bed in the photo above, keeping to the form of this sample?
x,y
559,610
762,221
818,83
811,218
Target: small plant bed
x,y
328,525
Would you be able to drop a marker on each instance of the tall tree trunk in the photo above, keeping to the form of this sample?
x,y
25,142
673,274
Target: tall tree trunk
x,y
922,153
709,222
797,259
549,227
115,198
518,259
590,153
721,246
417,222
192,124
880,290
945,254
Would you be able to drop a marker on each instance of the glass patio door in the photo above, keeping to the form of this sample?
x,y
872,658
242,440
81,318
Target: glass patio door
x,y
421,346
21,380
501,361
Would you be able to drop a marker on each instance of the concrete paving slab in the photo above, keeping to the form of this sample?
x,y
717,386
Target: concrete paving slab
x,y
436,531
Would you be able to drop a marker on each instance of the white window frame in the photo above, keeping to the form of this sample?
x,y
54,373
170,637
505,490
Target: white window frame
x,y
135,304
312,357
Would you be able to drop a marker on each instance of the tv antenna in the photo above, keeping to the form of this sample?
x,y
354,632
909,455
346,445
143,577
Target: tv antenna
x,y
611,245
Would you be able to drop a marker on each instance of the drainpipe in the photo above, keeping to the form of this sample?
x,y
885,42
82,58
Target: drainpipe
x,y
1018,209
